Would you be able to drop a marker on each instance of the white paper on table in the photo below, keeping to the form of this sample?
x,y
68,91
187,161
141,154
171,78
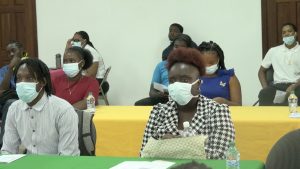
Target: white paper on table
x,y
294,115
160,87
158,164
10,157
279,96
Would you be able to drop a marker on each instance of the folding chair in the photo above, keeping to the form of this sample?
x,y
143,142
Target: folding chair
x,y
269,76
102,94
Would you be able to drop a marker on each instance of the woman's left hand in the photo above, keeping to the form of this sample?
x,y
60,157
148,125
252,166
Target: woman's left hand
x,y
290,88
220,100
169,136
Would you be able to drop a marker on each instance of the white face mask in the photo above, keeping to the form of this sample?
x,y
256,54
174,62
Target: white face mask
x,y
26,91
71,69
78,43
211,69
289,40
181,92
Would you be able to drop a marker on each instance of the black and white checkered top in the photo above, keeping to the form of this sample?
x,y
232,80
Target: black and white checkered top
x,y
211,119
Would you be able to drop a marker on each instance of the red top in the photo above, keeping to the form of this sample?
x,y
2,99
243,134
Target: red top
x,y
74,91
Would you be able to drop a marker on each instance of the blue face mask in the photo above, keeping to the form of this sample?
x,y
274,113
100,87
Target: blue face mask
x,y
27,91
289,40
71,69
78,43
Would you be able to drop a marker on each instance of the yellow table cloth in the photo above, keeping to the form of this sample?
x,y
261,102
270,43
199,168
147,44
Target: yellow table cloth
x,y
120,129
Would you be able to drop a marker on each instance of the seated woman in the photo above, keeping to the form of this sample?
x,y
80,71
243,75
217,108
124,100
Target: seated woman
x,y
206,117
72,85
160,76
97,69
218,83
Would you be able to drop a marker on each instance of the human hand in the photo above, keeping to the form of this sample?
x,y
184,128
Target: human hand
x,y
160,94
169,136
68,45
291,88
14,61
220,100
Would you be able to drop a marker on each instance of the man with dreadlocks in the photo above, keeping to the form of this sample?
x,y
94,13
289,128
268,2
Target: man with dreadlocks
x,y
40,121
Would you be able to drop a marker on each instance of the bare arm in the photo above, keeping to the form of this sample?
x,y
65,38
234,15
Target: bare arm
x,y
92,70
235,93
81,105
68,44
6,80
262,77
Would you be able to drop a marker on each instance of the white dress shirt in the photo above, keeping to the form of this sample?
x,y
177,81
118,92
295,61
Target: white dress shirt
x,y
48,127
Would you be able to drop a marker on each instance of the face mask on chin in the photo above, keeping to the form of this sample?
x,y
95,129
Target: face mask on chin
x,y
211,69
181,92
289,40
26,91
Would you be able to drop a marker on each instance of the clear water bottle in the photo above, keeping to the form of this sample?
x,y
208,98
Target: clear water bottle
x,y
293,102
187,130
232,157
90,102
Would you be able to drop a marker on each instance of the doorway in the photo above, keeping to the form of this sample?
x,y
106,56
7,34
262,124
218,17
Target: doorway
x,y
18,22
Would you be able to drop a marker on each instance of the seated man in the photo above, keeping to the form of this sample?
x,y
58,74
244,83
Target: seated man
x,y
7,85
41,122
160,76
175,30
285,61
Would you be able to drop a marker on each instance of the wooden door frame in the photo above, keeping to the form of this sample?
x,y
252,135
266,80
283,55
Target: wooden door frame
x,y
32,33
264,24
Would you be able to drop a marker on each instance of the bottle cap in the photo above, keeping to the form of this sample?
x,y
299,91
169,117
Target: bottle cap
x,y
186,124
232,143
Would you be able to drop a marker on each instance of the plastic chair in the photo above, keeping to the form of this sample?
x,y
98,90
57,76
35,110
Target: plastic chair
x,y
269,77
102,94
285,154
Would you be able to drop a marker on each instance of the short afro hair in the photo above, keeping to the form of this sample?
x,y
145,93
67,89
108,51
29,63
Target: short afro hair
x,y
186,55
178,26
290,24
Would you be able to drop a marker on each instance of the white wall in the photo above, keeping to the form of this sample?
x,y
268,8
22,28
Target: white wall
x,y
131,34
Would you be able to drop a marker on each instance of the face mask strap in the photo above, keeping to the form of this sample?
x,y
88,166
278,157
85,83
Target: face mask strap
x,y
195,82
79,63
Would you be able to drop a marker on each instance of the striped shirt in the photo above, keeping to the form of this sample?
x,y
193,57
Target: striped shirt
x,y
48,127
